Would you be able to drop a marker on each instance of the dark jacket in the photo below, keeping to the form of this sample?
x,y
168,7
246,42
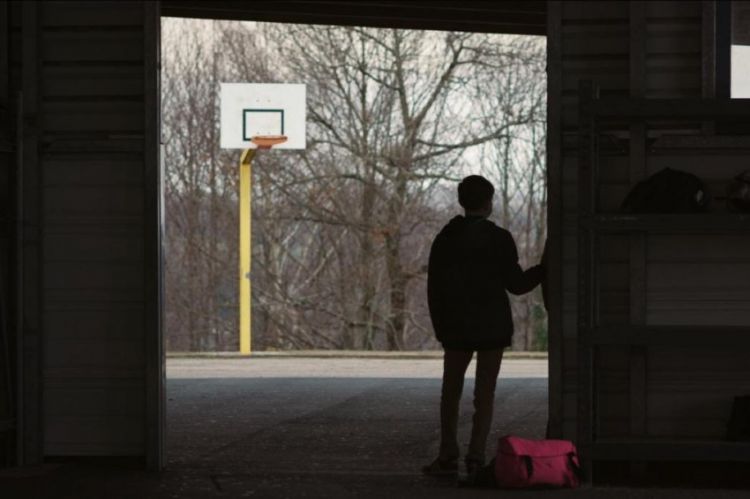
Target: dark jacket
x,y
472,264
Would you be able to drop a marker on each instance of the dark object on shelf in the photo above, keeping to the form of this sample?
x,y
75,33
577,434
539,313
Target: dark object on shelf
x,y
667,191
738,429
738,193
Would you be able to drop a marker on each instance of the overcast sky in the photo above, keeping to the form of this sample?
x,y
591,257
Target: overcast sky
x,y
741,71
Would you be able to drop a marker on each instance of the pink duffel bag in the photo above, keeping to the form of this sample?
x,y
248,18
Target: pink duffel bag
x,y
522,463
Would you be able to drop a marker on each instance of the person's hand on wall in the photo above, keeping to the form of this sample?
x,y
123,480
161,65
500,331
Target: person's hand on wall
x,y
543,263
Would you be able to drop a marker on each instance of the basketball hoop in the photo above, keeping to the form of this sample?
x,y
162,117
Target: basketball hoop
x,y
256,117
268,141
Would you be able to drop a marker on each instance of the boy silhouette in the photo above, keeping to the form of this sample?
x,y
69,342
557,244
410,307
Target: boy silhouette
x,y
473,262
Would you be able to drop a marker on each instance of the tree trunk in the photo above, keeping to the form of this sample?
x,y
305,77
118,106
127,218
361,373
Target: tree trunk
x,y
397,314
396,276
361,334
213,252
505,185
192,283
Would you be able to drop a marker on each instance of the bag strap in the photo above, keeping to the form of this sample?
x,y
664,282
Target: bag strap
x,y
575,466
529,466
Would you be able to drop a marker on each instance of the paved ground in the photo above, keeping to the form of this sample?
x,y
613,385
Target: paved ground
x,y
337,415
337,367
276,427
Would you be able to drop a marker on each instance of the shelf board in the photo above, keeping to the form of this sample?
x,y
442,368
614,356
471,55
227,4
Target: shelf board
x,y
657,449
669,223
694,336
624,109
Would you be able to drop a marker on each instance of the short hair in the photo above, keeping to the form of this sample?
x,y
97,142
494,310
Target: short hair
x,y
474,192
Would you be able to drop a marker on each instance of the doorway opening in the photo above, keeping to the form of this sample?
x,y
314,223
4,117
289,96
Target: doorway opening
x,y
341,235
342,230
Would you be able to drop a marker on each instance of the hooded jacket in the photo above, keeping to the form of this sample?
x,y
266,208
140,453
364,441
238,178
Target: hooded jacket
x,y
473,262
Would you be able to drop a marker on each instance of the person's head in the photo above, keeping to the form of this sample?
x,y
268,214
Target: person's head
x,y
475,195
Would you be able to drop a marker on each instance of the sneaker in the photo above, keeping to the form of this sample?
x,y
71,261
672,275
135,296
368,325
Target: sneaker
x,y
479,475
441,468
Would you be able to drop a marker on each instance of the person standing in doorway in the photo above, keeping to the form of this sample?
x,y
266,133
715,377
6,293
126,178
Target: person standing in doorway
x,y
473,262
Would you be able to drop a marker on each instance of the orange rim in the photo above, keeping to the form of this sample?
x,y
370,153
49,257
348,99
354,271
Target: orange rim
x,y
267,141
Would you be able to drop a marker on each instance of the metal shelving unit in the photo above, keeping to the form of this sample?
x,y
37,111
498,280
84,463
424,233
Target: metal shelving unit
x,y
596,114
722,223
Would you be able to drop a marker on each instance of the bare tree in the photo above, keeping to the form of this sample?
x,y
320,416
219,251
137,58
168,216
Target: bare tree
x,y
395,111
515,163
200,193
342,230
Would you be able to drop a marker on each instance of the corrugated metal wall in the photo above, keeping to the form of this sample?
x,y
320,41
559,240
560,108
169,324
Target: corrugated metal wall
x,y
652,50
88,73
7,343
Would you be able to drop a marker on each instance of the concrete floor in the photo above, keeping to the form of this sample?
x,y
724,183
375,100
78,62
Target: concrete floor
x,y
332,416
276,428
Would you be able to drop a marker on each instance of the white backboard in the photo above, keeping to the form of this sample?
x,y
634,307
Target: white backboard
x,y
249,109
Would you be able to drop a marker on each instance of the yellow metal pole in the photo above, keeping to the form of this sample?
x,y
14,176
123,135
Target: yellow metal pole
x,y
245,249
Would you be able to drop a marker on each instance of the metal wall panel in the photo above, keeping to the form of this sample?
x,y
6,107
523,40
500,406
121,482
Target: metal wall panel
x,y
101,370
7,291
91,333
687,279
605,62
